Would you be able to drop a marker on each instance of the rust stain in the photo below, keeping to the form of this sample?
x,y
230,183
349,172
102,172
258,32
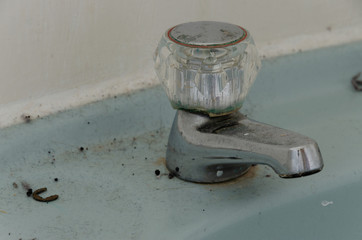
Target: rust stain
x,y
160,161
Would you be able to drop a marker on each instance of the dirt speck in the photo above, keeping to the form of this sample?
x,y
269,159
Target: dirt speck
x,y
26,118
29,192
15,185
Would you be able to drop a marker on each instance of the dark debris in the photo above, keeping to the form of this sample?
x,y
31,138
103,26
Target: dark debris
x,y
357,83
29,192
26,118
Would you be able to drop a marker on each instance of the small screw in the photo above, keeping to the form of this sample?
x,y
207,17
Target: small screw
x,y
41,199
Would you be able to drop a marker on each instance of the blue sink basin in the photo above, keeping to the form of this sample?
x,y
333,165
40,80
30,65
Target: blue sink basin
x,y
105,154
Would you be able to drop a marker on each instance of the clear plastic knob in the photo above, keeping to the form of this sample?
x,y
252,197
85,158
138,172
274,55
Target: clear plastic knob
x,y
207,66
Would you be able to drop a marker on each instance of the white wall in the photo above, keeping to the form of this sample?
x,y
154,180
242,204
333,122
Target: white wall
x,y
56,54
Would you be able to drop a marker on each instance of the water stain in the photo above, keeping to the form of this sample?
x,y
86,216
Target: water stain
x,y
160,161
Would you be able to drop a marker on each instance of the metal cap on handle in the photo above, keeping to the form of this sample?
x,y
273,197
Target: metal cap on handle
x,y
207,66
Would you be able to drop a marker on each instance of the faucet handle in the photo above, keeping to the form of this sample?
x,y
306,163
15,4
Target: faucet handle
x,y
207,66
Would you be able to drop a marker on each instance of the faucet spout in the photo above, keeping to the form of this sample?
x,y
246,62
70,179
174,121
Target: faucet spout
x,y
208,150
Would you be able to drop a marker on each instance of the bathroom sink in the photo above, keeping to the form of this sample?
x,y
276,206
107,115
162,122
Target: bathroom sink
x,y
104,156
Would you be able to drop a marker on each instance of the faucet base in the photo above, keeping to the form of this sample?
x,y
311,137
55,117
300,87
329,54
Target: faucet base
x,y
213,173
210,150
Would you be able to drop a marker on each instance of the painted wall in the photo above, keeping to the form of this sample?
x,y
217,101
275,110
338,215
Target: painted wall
x,y
92,49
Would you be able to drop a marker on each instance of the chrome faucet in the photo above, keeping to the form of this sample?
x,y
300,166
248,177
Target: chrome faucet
x,y
207,69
